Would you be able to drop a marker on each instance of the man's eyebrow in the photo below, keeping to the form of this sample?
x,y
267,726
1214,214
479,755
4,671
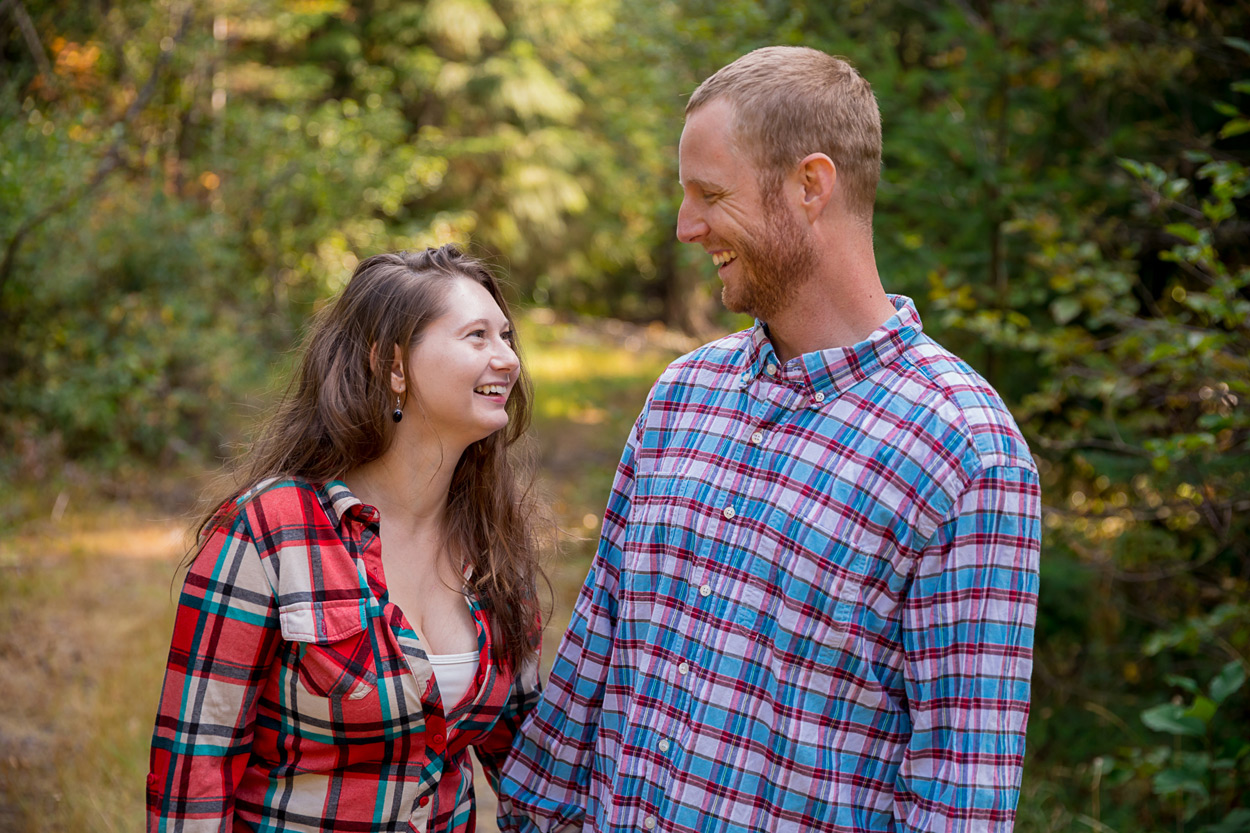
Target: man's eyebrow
x,y
699,183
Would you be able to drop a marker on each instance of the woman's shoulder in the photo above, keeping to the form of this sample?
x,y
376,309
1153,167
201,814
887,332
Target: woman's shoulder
x,y
283,509
277,493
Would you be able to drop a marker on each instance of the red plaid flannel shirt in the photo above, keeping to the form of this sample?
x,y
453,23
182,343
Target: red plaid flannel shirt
x,y
297,698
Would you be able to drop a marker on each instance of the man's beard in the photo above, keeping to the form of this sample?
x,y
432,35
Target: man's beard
x,y
776,258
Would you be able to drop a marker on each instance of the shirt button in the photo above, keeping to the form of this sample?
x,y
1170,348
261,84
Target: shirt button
x,y
757,437
705,590
771,369
438,740
683,669
729,513
664,745
425,799
819,397
649,822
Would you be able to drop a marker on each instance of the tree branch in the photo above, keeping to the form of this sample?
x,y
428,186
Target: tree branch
x,y
110,161
30,35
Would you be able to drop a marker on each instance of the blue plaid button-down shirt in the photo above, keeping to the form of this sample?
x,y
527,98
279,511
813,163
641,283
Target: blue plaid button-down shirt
x,y
812,605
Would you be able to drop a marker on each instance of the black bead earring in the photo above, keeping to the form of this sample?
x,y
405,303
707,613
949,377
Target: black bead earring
x,y
398,413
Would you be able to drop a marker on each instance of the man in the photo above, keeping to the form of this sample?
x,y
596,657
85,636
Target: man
x,y
813,601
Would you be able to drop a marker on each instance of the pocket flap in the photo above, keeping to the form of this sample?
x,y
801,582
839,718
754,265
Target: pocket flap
x,y
323,622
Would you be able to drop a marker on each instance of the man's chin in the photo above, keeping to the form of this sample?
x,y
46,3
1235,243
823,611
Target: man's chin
x,y
734,302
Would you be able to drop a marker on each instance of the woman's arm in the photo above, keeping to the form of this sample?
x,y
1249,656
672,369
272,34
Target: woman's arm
x,y
225,639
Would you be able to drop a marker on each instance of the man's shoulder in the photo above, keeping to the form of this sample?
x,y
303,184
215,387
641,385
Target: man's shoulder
x,y
715,359
960,401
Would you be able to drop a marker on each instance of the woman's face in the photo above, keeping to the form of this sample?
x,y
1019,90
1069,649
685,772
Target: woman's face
x,y
462,369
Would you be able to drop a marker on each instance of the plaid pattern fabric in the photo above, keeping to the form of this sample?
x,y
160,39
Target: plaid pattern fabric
x,y
811,609
297,698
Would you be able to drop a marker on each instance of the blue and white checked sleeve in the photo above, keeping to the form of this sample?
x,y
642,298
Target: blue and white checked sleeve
x,y
968,641
546,781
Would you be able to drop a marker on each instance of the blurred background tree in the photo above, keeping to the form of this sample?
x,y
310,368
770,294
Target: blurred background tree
x,y
1064,194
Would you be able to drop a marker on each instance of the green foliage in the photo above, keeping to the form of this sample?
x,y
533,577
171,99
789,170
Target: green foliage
x,y
1064,194
1143,421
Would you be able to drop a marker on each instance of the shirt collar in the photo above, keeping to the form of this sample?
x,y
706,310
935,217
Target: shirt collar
x,y
836,369
340,503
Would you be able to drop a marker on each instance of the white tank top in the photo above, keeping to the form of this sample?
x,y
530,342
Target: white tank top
x,y
455,673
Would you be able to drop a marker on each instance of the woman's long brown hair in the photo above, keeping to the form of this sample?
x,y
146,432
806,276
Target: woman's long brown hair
x,y
336,415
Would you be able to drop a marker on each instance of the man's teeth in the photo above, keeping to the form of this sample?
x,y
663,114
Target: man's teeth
x,y
492,390
721,258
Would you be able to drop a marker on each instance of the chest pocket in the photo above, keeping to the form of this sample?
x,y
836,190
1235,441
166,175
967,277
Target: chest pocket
x,y
337,658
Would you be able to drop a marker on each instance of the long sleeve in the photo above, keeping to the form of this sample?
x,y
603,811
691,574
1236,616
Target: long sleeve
x,y
224,641
546,781
493,749
968,641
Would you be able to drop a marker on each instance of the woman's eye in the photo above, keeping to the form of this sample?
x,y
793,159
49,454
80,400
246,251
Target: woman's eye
x,y
506,336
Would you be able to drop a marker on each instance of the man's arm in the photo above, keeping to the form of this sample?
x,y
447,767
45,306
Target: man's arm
x,y
968,642
546,780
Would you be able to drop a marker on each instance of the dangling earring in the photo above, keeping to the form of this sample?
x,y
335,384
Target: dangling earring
x,y
398,413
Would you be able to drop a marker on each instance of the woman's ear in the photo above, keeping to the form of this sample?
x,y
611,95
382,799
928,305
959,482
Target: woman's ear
x,y
398,384
396,369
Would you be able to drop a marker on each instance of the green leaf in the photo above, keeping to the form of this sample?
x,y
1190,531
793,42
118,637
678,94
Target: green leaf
x,y
1175,187
1235,128
1065,309
1238,43
1184,231
1172,719
1171,781
1134,167
1231,677
1238,821
1203,708
1186,683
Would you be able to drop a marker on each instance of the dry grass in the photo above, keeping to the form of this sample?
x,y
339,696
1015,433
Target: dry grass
x,y
87,590
85,617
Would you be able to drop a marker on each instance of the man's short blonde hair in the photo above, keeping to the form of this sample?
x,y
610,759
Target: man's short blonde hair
x,y
791,101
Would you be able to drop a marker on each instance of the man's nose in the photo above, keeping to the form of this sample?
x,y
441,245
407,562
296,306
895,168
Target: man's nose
x,y
690,225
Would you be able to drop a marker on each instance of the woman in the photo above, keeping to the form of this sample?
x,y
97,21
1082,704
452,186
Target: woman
x,y
364,611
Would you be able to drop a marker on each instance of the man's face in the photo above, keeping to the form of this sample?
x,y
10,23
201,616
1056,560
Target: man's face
x,y
759,244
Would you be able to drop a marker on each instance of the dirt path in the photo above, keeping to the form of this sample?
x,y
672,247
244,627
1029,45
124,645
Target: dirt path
x,y
85,613
86,602
86,608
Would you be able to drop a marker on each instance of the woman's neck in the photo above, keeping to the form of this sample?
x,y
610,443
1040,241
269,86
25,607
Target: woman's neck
x,y
409,490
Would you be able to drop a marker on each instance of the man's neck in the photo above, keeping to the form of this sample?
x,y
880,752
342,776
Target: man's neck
x,y
836,309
